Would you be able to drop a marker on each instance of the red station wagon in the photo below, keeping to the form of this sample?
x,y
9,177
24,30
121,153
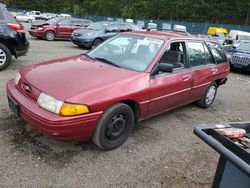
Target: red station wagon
x,y
128,78
57,28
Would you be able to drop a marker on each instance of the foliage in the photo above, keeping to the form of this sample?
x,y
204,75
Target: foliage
x,y
215,11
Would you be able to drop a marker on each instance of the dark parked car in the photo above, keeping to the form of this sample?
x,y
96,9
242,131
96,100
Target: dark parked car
x,y
240,56
131,77
13,41
99,32
57,28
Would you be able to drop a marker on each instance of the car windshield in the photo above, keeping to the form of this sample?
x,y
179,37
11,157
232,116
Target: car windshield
x,y
52,21
98,26
128,51
245,47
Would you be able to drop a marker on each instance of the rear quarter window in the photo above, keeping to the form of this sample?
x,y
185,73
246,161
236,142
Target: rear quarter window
x,y
218,52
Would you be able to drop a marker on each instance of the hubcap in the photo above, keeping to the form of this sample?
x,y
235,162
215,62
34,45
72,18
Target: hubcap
x,y
210,95
2,57
116,127
50,36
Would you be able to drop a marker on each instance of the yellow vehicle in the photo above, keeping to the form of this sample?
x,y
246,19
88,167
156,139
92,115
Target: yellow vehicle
x,y
217,32
13,14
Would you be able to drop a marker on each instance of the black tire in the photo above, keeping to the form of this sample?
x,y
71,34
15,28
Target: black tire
x,y
206,100
96,42
5,57
114,127
50,35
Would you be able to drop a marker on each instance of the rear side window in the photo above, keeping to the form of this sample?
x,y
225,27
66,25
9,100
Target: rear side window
x,y
198,54
76,23
112,28
217,52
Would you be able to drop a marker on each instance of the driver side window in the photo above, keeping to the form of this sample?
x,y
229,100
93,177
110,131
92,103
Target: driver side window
x,y
175,55
112,29
64,23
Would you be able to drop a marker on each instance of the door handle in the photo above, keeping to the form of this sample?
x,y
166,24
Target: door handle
x,y
214,71
186,77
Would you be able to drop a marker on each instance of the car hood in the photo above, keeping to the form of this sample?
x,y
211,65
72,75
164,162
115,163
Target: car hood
x,y
39,23
241,54
68,77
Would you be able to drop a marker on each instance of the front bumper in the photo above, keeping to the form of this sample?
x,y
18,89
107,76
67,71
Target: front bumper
x,y
240,66
36,33
82,42
58,127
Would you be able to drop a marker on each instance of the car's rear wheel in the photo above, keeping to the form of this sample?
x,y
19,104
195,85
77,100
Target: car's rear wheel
x,y
209,96
114,127
50,35
97,42
5,57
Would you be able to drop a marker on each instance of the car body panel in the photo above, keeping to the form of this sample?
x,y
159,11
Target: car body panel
x,y
239,59
86,37
82,80
61,31
17,42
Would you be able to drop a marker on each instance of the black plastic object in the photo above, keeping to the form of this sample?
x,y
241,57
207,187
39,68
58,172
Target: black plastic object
x,y
234,164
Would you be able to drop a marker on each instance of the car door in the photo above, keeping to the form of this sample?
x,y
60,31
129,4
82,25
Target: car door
x,y
63,29
111,31
222,65
170,90
202,66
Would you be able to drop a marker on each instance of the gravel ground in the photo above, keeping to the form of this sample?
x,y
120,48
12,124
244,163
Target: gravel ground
x,y
161,152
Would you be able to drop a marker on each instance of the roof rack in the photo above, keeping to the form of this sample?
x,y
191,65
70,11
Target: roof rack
x,y
168,30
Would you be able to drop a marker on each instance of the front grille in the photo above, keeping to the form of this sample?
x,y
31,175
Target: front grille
x,y
240,60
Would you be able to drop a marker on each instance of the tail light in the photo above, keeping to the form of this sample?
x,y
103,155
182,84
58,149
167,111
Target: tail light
x,y
16,27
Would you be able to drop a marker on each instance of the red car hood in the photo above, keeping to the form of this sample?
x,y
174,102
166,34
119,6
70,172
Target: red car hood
x,y
65,78
39,23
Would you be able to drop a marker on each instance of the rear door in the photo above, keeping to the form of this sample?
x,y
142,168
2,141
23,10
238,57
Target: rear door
x,y
220,59
170,90
63,29
202,67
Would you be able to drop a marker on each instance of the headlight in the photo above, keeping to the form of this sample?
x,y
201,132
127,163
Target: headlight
x,y
90,34
49,103
18,77
59,107
228,56
40,28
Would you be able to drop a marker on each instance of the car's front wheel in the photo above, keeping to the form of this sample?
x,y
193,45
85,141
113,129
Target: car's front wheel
x,y
209,96
5,57
50,35
114,127
97,42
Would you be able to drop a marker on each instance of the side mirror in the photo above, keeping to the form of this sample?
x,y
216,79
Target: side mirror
x,y
163,67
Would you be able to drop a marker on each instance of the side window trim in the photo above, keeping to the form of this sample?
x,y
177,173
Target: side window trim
x,y
185,59
204,46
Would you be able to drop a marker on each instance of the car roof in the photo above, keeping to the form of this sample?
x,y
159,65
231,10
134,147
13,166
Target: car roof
x,y
170,35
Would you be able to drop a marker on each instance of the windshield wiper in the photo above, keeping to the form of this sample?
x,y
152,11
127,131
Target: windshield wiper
x,y
107,61
89,57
